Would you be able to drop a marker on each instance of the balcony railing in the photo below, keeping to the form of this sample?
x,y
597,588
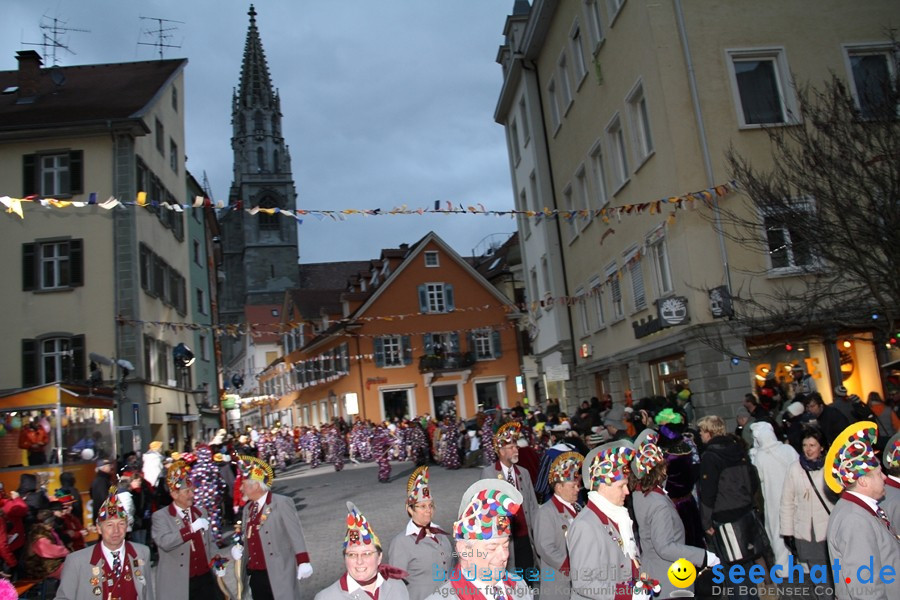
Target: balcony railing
x,y
446,362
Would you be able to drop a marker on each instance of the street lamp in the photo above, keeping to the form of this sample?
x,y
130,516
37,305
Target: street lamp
x,y
183,357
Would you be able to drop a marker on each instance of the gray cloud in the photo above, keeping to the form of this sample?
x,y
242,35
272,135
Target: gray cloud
x,y
385,103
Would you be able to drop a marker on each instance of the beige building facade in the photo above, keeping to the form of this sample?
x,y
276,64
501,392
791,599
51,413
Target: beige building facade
x,y
618,104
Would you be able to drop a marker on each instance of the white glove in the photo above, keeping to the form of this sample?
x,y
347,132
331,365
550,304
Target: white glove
x,y
640,594
200,523
712,560
220,572
304,570
237,552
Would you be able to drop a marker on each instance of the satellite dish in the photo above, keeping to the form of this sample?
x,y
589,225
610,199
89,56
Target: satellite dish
x,y
57,76
100,359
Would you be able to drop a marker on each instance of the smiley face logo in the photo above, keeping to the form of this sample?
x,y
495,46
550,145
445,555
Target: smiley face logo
x,y
682,573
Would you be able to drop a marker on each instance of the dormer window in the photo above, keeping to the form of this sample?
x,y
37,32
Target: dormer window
x,y
431,259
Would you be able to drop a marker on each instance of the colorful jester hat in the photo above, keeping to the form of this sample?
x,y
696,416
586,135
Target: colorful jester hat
x,y
61,495
607,464
359,532
851,455
566,467
417,487
254,469
892,452
508,433
647,453
485,510
112,508
178,475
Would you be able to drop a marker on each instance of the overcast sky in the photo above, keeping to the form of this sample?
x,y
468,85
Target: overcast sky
x,y
385,102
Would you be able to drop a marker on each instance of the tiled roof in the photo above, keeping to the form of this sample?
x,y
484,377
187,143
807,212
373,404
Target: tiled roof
x,y
312,303
329,276
89,93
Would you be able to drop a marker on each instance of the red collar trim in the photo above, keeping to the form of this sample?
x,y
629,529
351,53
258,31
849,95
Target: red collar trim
x,y
891,482
195,512
852,498
562,508
466,590
601,515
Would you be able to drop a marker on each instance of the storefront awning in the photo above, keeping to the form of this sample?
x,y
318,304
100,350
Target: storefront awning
x,y
182,418
51,394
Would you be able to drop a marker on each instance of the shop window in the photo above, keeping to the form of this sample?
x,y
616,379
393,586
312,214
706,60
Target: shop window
x,y
669,373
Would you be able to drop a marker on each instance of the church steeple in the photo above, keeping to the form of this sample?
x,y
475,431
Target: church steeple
x,y
256,85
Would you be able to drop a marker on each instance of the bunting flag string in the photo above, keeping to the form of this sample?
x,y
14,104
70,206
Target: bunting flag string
x,y
682,202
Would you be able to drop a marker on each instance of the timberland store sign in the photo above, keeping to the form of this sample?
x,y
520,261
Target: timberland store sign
x,y
670,312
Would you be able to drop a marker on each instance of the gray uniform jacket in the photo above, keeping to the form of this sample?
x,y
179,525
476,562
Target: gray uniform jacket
x,y
529,501
597,562
425,562
173,569
82,566
891,502
391,589
662,538
856,536
282,540
550,529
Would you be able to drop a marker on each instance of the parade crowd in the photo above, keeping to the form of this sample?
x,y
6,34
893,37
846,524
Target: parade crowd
x,y
595,504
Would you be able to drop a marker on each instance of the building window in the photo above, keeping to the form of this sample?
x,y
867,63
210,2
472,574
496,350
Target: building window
x,y
535,290
583,314
577,54
526,220
53,174
204,347
632,259
533,189
619,155
523,118
514,142
573,210
640,122
599,175
431,259
160,137
197,259
565,85
55,353
612,277
485,344
267,222
595,23
173,155
174,98
553,101
52,265
548,286
584,197
50,359
598,302
435,297
659,253
393,351
788,246
764,92
872,73
201,302
614,7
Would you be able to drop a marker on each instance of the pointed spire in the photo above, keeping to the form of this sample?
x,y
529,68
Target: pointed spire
x,y
256,86
521,8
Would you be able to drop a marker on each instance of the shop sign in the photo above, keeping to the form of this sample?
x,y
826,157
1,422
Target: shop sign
x,y
673,311
720,304
557,373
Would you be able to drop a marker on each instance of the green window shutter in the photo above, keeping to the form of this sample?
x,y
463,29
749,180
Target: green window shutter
x,y
428,343
448,297
496,344
29,363
379,352
29,174
423,299
407,350
29,267
454,342
76,172
76,263
470,341
77,371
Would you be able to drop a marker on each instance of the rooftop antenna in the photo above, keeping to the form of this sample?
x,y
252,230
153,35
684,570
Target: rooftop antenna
x,y
207,189
53,29
161,33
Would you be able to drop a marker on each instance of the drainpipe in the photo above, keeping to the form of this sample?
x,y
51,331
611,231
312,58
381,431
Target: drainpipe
x,y
701,132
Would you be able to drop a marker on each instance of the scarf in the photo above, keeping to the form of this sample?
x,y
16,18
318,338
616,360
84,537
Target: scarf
x,y
812,465
619,515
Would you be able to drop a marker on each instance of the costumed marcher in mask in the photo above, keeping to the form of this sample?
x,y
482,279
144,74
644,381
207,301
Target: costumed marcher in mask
x,y
660,527
521,551
860,535
45,551
423,548
366,577
186,545
113,568
482,543
274,551
772,460
554,518
382,443
603,552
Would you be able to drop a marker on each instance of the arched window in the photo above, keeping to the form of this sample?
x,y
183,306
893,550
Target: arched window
x,y
258,120
275,124
242,124
275,168
267,222
260,160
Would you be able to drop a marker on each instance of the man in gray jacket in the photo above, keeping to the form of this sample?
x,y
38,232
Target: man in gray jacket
x,y
181,532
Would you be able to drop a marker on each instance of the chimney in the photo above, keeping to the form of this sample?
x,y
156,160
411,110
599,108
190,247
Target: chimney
x,y
29,74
